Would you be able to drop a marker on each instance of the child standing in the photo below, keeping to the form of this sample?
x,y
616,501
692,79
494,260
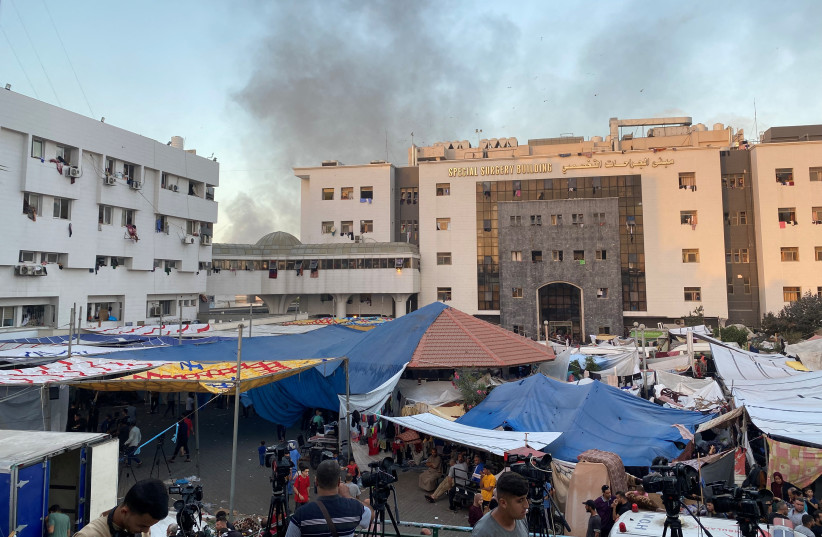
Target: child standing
x,y
301,483
261,452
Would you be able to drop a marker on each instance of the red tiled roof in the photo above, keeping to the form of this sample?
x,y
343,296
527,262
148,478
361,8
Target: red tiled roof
x,y
456,339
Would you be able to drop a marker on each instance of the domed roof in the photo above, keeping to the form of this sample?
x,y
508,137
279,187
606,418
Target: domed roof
x,y
278,239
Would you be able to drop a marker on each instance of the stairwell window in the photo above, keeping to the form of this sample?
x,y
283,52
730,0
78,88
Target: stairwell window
x,y
791,294
693,294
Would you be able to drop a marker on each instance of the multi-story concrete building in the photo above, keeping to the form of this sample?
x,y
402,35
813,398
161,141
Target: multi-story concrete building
x,y
98,217
592,235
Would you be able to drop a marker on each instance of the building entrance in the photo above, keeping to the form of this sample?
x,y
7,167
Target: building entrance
x,y
560,304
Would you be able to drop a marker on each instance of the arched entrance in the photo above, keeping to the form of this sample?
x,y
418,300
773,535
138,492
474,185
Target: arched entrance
x,y
560,304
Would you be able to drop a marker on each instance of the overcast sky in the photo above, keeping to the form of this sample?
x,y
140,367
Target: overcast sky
x,y
266,86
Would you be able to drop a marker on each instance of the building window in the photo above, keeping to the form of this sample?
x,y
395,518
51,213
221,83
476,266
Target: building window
x,y
127,218
730,285
346,226
128,171
443,189
536,256
579,255
816,215
789,253
602,292
815,173
27,257
443,294
787,215
518,329
688,218
7,316
599,218
690,255
37,147
733,181
443,258
516,292
819,292
32,204
104,215
366,226
62,208
687,181
327,227
693,294
604,330
791,294
486,225
817,253
601,255
516,221
366,192
347,193
192,227
516,255
328,194
443,224
737,255
784,176
536,219
556,219
576,219
746,285
516,188
743,218
556,255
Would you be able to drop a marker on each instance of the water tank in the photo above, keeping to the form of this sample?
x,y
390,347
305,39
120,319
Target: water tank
x,y
719,127
513,141
177,142
596,139
700,127
465,144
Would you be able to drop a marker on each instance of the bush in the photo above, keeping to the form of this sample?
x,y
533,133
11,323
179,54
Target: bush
x,y
732,333
590,366
799,319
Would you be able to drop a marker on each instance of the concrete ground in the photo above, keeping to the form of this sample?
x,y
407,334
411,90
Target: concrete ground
x,y
253,489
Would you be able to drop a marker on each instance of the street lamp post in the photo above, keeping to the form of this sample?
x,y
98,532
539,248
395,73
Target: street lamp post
x,y
641,328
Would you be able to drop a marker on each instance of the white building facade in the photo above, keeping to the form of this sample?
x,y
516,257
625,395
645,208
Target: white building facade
x,y
98,217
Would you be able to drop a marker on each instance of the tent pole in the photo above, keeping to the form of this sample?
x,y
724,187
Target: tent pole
x,y
347,412
180,314
236,422
71,329
197,432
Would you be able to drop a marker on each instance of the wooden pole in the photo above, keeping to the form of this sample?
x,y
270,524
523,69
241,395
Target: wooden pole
x,y
236,423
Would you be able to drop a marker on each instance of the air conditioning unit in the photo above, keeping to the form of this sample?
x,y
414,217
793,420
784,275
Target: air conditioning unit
x,y
206,240
136,185
72,171
175,188
21,270
357,238
30,270
188,240
109,180
154,311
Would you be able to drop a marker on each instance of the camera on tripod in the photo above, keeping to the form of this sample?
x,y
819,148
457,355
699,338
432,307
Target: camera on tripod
x,y
536,471
671,482
381,474
277,458
745,502
189,508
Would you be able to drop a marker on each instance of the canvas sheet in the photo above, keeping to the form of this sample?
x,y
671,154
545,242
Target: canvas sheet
x,y
493,441
805,385
198,377
432,393
24,350
152,330
683,332
371,402
72,369
737,364
621,364
809,351
798,464
557,369
792,418
671,363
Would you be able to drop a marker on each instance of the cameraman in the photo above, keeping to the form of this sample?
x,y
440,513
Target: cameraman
x,y
317,517
145,504
508,518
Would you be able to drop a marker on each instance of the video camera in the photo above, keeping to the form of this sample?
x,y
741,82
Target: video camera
x,y
748,503
531,468
671,482
189,508
381,474
278,459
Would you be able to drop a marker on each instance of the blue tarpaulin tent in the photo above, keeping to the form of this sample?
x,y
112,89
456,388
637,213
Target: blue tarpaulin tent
x,y
590,416
374,357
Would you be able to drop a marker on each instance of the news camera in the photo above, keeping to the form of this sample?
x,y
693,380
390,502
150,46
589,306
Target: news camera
x,y
748,503
189,508
672,482
380,481
278,459
536,471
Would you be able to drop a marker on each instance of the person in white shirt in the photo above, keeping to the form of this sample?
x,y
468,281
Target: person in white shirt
x,y
805,527
133,442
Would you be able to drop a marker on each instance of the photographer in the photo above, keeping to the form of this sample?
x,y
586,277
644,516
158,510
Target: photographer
x,y
145,504
317,518
508,518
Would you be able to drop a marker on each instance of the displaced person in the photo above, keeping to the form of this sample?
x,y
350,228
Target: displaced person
x,y
604,509
301,484
475,511
508,518
594,524
428,479
797,512
132,443
805,527
145,504
487,486
620,506
780,511
58,524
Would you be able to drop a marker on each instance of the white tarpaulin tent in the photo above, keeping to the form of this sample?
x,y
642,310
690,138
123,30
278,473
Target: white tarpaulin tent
x,y
807,386
738,364
36,350
493,441
432,393
372,401
682,332
701,394
809,351
793,418
621,363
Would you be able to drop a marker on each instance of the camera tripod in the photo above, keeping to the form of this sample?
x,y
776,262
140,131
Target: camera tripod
x,y
672,516
277,512
159,455
379,502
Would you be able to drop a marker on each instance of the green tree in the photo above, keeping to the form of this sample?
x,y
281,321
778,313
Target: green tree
x,y
472,387
590,366
695,318
732,333
799,319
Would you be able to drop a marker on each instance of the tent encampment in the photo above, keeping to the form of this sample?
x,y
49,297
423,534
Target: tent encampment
x,y
591,416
